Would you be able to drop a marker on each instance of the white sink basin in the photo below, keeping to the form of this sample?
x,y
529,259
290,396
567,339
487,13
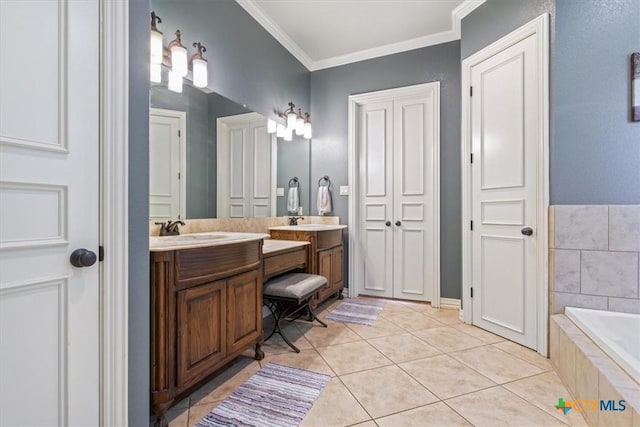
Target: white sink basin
x,y
199,240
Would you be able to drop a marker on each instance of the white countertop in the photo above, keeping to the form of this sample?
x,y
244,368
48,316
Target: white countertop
x,y
201,240
273,245
309,227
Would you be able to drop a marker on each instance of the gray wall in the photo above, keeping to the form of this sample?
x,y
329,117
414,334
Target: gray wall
x,y
330,89
138,213
293,160
246,64
595,151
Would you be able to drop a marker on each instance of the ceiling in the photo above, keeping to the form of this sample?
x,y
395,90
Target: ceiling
x,y
327,33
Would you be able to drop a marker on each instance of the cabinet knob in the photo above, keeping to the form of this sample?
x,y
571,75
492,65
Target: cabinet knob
x,y
388,223
398,223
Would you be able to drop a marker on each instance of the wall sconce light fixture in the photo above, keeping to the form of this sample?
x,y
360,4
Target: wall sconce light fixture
x,y
295,122
175,58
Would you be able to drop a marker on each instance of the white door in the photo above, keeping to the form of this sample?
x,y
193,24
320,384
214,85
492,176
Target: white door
x,y
398,182
245,164
505,138
166,157
49,194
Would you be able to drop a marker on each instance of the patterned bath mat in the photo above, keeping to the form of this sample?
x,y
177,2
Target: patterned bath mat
x,y
275,396
360,311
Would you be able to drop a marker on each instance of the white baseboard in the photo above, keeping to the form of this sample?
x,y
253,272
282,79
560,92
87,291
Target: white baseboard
x,y
450,303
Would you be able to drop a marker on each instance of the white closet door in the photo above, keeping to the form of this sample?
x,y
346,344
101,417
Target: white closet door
x,y
415,146
505,142
164,167
260,170
49,207
376,197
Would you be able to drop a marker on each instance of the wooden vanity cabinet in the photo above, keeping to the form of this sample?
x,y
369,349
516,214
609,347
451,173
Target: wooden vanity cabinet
x,y
325,257
206,309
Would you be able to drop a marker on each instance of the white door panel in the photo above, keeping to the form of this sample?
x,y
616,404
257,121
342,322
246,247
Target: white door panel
x,y
49,189
505,136
165,160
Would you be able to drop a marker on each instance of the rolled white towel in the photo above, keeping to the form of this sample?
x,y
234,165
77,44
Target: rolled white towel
x,y
324,200
292,200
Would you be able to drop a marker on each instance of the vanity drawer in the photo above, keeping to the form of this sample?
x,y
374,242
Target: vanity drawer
x,y
329,239
283,262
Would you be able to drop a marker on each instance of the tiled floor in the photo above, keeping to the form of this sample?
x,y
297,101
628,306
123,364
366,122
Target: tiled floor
x,y
416,366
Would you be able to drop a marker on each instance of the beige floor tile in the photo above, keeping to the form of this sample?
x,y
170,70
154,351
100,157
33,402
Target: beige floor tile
x,y
499,407
495,364
373,424
336,406
352,357
445,376
308,359
525,354
225,383
436,414
414,321
384,391
198,412
448,339
335,333
541,390
403,347
445,315
177,417
276,344
380,328
481,334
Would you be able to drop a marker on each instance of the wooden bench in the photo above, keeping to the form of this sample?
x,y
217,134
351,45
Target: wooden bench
x,y
290,294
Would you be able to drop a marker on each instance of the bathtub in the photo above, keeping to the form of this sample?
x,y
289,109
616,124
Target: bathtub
x,y
617,334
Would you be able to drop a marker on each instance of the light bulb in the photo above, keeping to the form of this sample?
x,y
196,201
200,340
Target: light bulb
x,y
280,130
271,126
156,47
299,126
175,82
200,73
307,130
179,60
291,120
288,134
156,73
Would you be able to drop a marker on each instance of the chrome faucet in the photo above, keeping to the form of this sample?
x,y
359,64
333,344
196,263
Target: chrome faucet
x,y
293,220
170,228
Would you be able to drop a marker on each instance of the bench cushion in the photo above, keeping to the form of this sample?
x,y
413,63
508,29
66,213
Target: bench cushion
x,y
297,286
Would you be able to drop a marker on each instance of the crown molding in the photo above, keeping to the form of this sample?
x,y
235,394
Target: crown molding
x,y
252,7
389,49
462,10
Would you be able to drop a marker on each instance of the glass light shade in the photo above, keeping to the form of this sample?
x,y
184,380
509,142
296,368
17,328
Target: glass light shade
x,y
156,73
291,120
156,47
175,82
200,73
299,126
271,126
307,130
280,131
179,60
288,134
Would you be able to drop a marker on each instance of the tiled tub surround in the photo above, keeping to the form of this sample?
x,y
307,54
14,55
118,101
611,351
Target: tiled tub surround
x,y
242,225
588,373
594,257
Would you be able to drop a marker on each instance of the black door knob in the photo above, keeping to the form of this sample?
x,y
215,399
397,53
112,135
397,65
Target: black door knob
x,y
83,258
527,231
398,223
388,223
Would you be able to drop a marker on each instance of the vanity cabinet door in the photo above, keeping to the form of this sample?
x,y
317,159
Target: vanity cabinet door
x,y
244,315
201,334
325,269
337,270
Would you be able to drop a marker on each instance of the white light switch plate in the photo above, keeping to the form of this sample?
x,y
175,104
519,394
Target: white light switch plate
x,y
280,192
344,190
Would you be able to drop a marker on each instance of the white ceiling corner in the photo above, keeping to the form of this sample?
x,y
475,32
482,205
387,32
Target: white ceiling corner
x,y
269,23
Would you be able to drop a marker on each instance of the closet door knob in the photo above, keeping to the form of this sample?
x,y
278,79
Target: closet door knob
x,y
388,223
398,223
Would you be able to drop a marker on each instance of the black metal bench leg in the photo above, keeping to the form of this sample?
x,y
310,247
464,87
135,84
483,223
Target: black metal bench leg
x,y
280,313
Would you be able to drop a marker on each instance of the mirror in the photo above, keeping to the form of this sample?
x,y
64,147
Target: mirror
x,y
210,157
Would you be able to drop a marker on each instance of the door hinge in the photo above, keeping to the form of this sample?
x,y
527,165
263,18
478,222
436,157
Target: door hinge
x,y
471,157
471,225
100,253
470,90
179,175
179,133
471,292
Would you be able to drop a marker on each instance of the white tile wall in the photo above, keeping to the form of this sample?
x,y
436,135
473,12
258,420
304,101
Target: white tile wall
x,y
595,257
